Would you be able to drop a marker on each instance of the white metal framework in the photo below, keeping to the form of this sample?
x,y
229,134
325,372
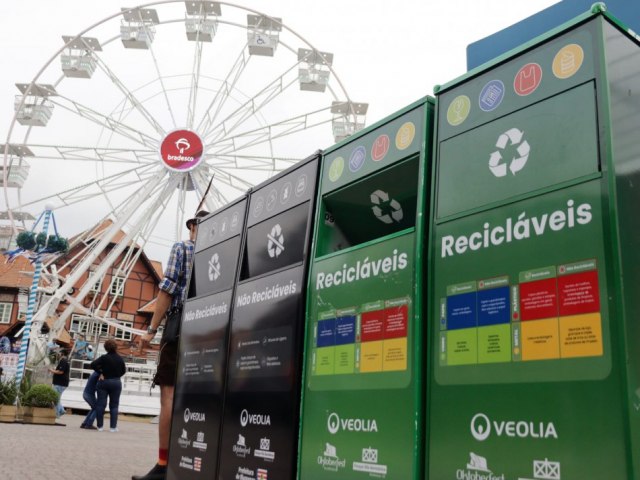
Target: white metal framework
x,y
99,156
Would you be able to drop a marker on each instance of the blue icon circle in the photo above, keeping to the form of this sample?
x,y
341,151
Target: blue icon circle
x,y
491,95
357,158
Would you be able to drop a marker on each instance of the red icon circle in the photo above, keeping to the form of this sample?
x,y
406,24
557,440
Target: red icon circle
x,y
181,150
527,79
380,147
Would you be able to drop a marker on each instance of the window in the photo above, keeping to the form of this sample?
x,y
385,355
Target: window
x,y
5,312
117,286
96,286
88,326
123,334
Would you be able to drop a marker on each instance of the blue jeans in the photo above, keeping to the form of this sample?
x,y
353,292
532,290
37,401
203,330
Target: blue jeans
x,y
110,387
89,395
59,407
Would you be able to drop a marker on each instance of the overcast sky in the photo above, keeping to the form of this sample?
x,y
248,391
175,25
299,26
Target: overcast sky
x,y
387,53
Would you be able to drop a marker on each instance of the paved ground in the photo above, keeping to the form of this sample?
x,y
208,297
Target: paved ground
x,y
43,452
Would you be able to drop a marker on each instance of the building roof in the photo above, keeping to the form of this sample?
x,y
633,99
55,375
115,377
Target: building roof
x,y
94,232
149,307
11,273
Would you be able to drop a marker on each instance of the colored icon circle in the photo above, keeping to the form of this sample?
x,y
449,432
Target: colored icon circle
x,y
458,110
357,158
336,169
406,134
491,96
528,79
380,147
568,61
257,210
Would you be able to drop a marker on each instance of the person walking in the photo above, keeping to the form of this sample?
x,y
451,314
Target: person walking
x,y
172,295
89,394
61,380
111,366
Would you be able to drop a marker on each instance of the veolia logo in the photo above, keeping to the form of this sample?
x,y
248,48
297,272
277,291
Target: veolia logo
x,y
335,424
190,416
482,428
181,151
247,418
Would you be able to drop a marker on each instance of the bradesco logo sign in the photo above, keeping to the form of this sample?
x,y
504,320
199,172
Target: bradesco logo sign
x,y
482,428
181,150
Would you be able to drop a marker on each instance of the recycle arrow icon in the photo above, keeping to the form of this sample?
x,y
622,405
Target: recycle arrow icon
x,y
512,136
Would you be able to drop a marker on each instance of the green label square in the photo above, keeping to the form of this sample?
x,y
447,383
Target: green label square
x,y
462,346
345,358
494,344
325,358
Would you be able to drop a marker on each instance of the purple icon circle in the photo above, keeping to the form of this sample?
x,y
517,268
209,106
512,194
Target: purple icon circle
x,y
491,95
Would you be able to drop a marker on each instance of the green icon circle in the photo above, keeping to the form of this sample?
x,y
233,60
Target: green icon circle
x,y
458,110
336,169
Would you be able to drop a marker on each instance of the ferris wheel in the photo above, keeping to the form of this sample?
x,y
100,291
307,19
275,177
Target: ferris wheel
x,y
125,127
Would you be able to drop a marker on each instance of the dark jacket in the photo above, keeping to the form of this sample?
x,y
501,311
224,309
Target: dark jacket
x,y
62,379
110,365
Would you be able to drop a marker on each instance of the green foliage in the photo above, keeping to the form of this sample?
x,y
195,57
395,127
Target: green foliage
x,y
58,244
8,392
41,395
31,241
41,239
26,240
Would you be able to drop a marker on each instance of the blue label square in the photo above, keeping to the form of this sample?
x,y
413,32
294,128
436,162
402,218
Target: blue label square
x,y
345,330
461,311
326,333
493,306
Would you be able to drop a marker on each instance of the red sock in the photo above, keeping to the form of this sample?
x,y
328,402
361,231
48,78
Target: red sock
x,y
163,455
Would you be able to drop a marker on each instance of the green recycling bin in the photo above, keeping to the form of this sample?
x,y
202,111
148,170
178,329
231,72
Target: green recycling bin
x,y
534,305
362,395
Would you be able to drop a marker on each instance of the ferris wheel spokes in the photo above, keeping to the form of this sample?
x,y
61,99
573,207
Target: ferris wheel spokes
x,y
107,122
115,251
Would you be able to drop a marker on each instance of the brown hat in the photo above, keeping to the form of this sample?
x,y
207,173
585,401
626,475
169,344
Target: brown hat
x,y
200,214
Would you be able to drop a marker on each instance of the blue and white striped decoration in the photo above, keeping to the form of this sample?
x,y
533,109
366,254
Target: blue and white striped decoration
x,y
33,293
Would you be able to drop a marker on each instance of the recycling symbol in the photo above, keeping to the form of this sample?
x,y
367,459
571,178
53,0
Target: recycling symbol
x,y
514,136
380,197
275,244
214,267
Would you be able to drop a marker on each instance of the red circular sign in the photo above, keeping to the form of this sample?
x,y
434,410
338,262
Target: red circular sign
x,y
527,79
380,148
181,150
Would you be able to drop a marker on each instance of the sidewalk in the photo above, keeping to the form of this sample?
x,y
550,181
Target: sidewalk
x,y
43,452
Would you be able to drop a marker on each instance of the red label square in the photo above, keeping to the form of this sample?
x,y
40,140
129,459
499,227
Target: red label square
x,y
372,326
579,293
395,323
538,299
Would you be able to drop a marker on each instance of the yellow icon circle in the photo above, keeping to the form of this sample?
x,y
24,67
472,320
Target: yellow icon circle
x,y
459,110
516,351
406,134
568,61
336,169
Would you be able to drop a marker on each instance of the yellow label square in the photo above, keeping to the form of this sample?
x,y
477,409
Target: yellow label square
x,y
394,354
581,336
540,339
371,356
